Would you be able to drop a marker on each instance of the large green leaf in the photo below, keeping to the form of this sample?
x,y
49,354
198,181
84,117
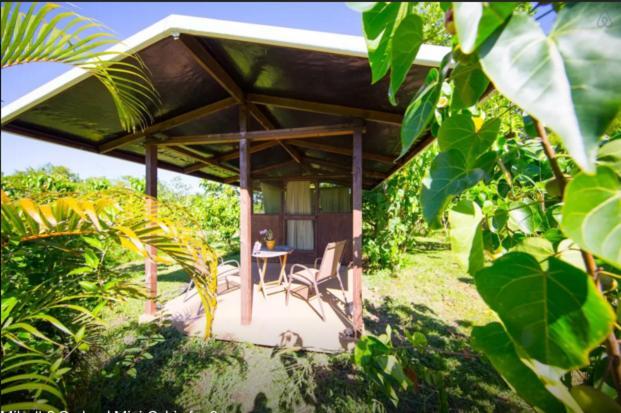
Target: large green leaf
x,y
464,161
556,314
449,176
458,132
524,216
568,80
466,237
406,41
476,21
492,340
379,24
420,110
470,84
592,213
393,34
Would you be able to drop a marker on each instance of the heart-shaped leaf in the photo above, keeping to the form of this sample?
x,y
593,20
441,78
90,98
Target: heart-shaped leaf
x,y
470,84
556,314
592,213
492,340
458,132
465,236
449,176
420,110
567,80
476,21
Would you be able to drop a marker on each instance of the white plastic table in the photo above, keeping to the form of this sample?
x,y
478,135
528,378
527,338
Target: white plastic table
x,y
262,255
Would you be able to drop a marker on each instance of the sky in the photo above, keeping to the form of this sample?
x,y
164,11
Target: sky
x,y
125,19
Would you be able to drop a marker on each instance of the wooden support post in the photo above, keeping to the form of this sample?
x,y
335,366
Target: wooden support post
x,y
245,199
356,190
150,266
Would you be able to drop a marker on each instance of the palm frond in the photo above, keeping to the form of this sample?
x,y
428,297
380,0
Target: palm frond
x,y
134,220
42,34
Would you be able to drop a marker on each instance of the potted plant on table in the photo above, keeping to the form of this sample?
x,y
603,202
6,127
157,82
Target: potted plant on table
x,y
268,238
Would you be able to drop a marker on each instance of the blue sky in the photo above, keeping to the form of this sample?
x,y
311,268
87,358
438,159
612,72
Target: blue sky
x,y
125,19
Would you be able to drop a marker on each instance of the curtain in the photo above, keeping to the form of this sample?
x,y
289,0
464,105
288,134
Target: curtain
x,y
271,198
336,199
299,202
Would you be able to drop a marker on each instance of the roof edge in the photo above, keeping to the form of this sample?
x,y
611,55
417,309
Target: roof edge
x,y
428,55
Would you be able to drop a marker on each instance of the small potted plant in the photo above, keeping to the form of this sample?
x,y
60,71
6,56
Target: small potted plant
x,y
268,238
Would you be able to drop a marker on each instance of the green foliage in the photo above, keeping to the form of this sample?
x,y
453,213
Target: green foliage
x,y
591,213
392,216
375,356
496,344
466,236
41,33
420,111
475,22
515,200
555,313
56,280
578,74
461,163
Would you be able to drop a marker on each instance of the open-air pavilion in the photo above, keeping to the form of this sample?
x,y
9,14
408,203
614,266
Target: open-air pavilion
x,y
290,116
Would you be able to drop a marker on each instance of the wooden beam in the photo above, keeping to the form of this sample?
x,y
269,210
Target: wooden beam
x,y
210,64
293,153
272,167
245,222
168,123
258,136
202,161
150,266
342,151
326,108
253,149
337,167
356,190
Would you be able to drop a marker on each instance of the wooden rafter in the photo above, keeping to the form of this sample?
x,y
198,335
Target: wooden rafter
x,y
293,153
338,167
210,64
253,149
202,161
258,136
268,168
326,108
342,151
168,123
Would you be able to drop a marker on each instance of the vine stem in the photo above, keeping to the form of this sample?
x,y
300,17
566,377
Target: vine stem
x,y
612,344
551,155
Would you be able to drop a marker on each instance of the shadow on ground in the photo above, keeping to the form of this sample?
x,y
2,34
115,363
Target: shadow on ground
x,y
152,368
470,381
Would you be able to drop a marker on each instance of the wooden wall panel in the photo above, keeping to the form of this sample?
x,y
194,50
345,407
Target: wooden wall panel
x,y
334,227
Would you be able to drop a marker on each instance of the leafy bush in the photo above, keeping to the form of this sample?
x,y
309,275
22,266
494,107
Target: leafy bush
x,y
536,201
392,215
56,278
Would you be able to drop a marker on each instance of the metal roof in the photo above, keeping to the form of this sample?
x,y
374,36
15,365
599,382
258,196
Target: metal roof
x,y
292,79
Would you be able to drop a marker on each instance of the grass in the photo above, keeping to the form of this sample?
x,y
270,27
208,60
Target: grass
x,y
153,367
